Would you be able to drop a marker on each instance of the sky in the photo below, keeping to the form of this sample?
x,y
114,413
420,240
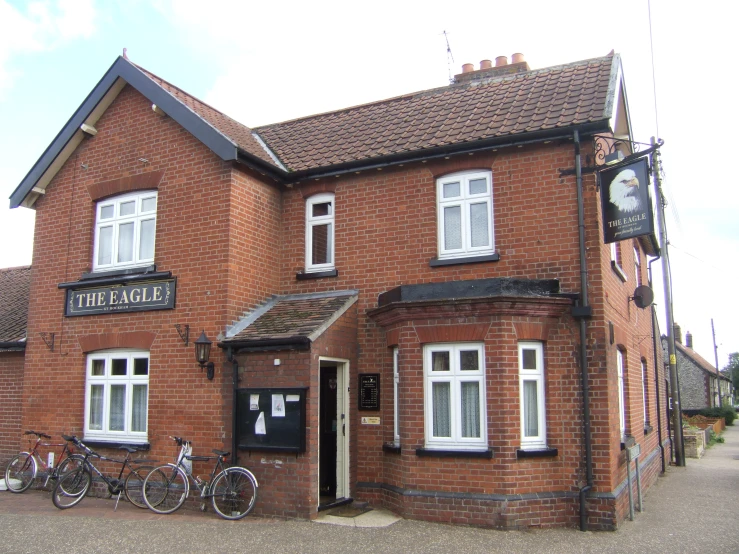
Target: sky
x,y
264,63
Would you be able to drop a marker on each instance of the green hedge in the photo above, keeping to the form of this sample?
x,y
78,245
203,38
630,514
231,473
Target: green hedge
x,y
727,412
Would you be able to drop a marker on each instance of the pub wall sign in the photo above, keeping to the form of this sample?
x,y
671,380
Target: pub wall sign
x,y
627,210
139,297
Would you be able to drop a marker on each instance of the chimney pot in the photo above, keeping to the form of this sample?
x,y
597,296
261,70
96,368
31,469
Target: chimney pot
x,y
688,340
486,64
517,58
500,61
678,333
468,68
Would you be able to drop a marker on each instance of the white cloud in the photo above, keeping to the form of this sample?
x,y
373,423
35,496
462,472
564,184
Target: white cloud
x,y
42,26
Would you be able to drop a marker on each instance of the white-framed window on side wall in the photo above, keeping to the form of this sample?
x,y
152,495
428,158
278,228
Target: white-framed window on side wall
x,y
621,394
531,386
125,230
117,396
319,232
616,260
637,267
454,386
465,214
645,391
396,416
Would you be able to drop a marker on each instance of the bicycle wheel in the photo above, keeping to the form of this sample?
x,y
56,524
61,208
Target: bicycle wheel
x,y
20,472
133,487
234,493
165,489
68,464
71,488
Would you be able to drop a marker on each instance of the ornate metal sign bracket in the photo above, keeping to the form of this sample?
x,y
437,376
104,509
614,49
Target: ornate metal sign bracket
x,y
48,338
184,332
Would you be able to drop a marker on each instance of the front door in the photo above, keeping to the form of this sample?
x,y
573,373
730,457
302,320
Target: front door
x,y
333,456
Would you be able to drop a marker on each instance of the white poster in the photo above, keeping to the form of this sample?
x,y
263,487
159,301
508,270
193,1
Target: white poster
x,y
259,428
253,401
278,405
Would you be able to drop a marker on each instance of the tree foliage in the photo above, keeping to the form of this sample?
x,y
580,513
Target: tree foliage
x,y
732,369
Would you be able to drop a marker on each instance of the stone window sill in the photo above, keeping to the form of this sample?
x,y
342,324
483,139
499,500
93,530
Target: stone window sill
x,y
436,262
316,275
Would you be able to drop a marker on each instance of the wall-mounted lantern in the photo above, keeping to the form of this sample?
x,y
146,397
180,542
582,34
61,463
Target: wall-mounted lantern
x,y
202,353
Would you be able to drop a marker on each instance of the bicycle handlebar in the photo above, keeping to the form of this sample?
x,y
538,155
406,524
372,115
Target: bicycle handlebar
x,y
179,440
40,435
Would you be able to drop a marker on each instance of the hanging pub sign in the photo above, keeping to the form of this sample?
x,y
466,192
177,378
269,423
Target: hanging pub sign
x,y
627,211
139,297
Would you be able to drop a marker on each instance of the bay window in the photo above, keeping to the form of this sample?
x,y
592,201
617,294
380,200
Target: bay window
x,y
454,383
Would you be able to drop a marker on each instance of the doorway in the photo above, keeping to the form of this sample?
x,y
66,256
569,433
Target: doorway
x,y
333,454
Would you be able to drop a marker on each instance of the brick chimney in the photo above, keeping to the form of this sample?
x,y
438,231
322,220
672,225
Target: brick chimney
x,y
688,340
487,70
678,333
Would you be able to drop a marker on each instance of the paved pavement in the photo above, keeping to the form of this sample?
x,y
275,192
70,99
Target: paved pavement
x,y
689,510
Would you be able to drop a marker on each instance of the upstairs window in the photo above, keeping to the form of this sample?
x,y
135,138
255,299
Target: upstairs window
x,y
637,267
125,228
319,233
465,214
616,262
621,395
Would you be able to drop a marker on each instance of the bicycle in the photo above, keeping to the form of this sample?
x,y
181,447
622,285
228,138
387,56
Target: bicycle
x,y
23,468
74,485
232,490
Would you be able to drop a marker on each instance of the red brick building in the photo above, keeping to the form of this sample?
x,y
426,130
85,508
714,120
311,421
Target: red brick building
x,y
411,300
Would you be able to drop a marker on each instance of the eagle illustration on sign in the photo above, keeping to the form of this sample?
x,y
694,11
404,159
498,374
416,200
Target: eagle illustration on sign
x,y
624,191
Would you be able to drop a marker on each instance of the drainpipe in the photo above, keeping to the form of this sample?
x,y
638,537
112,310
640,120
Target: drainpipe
x,y
656,337
235,407
583,312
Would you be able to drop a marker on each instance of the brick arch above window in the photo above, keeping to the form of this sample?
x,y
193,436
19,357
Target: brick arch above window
x,y
312,189
452,333
132,183
138,340
529,330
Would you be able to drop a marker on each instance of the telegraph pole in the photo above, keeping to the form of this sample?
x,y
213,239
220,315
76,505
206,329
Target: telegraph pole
x,y
677,416
718,372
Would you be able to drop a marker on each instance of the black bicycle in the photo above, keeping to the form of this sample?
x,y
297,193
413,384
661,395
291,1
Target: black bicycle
x,y
74,485
232,490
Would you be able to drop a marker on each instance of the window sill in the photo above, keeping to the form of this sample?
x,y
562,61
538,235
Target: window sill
x,y
618,270
627,442
430,453
97,443
436,262
316,275
102,279
539,453
391,448
648,429
149,268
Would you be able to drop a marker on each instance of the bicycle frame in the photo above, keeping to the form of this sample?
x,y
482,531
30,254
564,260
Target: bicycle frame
x,y
43,465
200,484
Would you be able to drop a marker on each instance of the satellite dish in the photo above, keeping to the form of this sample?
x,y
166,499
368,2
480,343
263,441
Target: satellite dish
x,y
643,296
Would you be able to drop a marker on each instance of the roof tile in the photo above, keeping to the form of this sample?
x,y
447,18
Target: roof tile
x,y
14,285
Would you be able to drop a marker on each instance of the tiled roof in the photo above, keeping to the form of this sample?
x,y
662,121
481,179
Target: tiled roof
x,y
238,133
299,316
14,285
539,100
697,359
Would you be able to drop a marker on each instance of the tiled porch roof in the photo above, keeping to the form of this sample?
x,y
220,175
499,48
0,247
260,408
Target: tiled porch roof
x,y
298,317
14,286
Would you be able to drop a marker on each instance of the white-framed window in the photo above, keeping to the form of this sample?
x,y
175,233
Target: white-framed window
x,y
117,395
621,394
531,387
125,229
454,386
645,391
616,262
396,382
637,267
465,214
319,232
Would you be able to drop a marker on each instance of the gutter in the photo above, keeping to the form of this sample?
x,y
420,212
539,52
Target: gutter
x,y
18,345
583,312
258,345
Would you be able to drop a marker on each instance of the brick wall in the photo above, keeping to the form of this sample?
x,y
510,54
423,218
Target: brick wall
x,y
11,388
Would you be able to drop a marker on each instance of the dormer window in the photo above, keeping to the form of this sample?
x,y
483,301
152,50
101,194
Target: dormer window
x,y
125,228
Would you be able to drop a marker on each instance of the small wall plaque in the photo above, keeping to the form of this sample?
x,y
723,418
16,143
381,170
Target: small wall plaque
x,y
370,421
369,391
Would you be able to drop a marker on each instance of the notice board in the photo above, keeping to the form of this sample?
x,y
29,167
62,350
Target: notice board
x,y
271,419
